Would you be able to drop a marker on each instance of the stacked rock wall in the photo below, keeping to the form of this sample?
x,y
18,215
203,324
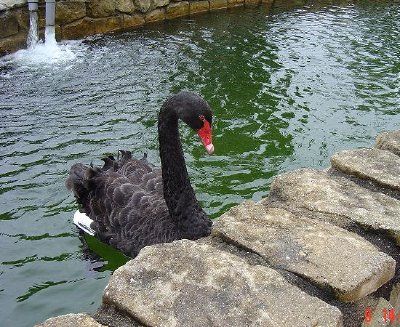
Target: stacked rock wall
x,y
320,250
79,18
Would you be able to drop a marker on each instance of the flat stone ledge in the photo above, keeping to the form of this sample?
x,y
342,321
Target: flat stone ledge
x,y
9,4
327,255
72,319
185,283
389,141
337,200
380,166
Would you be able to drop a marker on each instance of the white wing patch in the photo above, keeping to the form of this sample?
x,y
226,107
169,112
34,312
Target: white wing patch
x,y
83,222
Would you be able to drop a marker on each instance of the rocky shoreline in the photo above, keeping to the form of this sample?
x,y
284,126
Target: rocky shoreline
x,y
320,250
77,19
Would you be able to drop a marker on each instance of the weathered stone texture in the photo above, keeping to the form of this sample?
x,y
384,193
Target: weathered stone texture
x,y
177,9
389,141
143,5
235,3
380,166
189,284
341,200
252,3
325,254
101,8
8,4
67,11
22,17
159,3
125,6
108,24
12,43
72,319
8,24
78,29
132,21
155,15
218,4
199,7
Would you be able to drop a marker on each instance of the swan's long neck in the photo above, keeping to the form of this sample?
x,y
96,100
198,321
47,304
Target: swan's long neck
x,y
178,192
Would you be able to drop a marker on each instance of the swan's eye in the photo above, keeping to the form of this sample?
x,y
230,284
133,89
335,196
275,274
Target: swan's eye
x,y
202,118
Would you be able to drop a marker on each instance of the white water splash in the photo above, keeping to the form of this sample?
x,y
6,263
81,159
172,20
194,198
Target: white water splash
x,y
50,36
33,36
48,54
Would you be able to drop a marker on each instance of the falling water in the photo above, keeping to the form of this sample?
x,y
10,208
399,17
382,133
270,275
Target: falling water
x,y
33,36
50,36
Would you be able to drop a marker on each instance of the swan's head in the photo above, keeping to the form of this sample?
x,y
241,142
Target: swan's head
x,y
196,112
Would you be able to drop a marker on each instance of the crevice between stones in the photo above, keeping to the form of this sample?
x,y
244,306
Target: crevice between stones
x,y
368,184
111,316
353,313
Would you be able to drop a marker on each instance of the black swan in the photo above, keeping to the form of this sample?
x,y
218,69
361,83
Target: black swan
x,y
130,204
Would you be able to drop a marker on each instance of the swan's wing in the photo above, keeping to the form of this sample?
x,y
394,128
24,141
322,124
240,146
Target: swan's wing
x,y
125,201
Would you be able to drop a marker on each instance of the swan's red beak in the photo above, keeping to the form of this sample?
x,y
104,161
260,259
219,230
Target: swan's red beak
x,y
205,134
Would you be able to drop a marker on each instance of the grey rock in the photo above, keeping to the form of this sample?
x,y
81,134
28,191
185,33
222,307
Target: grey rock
x,y
380,166
159,3
189,284
338,200
389,141
8,24
125,6
72,319
101,8
143,5
323,253
13,3
67,11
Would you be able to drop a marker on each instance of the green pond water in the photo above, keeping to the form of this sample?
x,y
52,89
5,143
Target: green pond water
x,y
288,89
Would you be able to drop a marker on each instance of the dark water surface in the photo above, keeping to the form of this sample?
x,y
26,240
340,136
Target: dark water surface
x,y
288,90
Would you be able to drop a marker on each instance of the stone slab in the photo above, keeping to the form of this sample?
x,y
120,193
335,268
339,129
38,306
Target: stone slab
x,y
100,8
326,254
235,3
155,15
132,21
389,141
185,283
218,4
337,198
8,24
177,9
67,11
72,319
8,4
380,166
199,7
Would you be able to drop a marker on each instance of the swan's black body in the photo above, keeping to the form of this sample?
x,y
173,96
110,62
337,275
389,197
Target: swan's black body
x,y
134,204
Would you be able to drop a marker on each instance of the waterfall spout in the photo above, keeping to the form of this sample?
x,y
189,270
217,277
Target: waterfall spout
x,y
50,34
33,36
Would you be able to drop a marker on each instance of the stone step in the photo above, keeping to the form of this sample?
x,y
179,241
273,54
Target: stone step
x,y
325,254
380,166
185,283
389,141
71,319
338,200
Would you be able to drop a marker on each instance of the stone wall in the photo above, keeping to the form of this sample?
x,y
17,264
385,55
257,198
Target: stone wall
x,y
79,18
320,250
